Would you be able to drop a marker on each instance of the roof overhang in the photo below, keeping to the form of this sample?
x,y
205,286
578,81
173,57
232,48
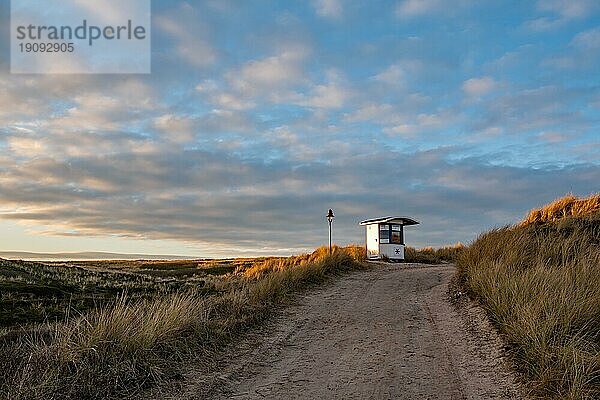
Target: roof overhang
x,y
390,220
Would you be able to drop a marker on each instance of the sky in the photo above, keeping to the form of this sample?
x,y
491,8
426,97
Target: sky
x,y
259,116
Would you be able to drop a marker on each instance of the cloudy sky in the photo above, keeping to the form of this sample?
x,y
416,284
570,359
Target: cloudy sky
x,y
258,116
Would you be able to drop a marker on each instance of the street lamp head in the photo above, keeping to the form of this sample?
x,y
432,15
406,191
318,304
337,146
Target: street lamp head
x,y
330,215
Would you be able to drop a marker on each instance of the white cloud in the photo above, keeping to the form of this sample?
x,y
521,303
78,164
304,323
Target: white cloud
x,y
335,93
561,12
30,146
272,78
553,137
413,8
568,9
230,101
328,8
583,52
197,52
175,128
91,112
206,86
224,100
331,95
544,23
112,11
190,34
15,103
282,70
543,108
411,128
393,75
476,87
98,111
589,40
372,111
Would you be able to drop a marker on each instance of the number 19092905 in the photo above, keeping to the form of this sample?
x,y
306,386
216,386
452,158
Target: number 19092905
x,y
46,47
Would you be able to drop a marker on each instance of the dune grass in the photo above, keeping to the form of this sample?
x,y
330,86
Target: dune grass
x,y
272,280
539,281
567,206
122,348
430,255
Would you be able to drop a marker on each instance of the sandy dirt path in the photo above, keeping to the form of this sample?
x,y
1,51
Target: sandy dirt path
x,y
387,333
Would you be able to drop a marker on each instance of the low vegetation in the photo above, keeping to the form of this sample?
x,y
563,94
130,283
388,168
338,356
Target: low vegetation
x,y
539,281
32,293
129,343
430,255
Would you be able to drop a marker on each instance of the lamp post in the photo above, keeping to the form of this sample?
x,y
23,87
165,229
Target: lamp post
x,y
330,218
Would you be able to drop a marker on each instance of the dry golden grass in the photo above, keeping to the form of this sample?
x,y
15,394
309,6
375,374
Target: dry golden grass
x,y
567,206
269,265
272,281
540,284
430,255
119,350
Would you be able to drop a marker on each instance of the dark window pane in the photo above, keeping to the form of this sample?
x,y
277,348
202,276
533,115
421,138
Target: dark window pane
x,y
384,233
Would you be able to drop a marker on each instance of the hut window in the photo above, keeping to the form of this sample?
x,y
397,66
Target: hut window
x,y
384,233
397,234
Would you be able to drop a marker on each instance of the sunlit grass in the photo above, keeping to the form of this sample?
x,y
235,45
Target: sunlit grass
x,y
568,206
540,283
123,347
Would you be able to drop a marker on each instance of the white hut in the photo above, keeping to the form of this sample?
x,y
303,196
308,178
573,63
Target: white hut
x,y
385,237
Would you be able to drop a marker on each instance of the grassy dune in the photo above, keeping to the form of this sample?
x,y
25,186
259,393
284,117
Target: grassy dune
x,y
568,206
540,283
430,255
129,344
